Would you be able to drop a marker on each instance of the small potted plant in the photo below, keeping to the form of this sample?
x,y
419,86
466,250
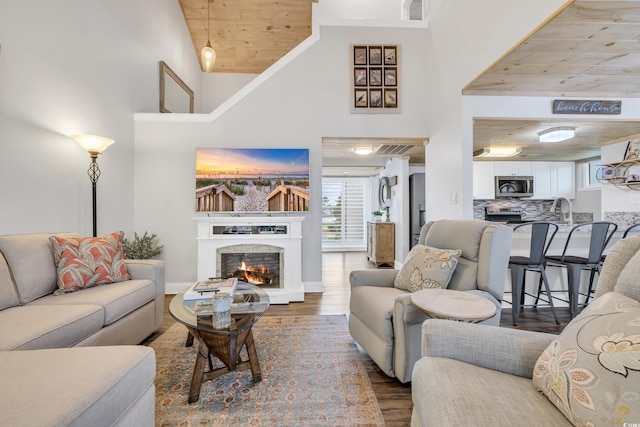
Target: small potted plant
x,y
141,247
377,215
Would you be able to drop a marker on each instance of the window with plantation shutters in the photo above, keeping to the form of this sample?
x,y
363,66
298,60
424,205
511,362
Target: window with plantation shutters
x,y
344,213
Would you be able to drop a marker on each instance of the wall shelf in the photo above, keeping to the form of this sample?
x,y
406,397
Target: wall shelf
x,y
619,174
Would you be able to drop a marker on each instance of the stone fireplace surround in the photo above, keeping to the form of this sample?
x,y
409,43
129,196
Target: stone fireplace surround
x,y
209,243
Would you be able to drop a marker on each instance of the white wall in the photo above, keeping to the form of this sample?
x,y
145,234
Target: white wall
x,y
79,66
399,207
461,46
306,100
218,87
358,9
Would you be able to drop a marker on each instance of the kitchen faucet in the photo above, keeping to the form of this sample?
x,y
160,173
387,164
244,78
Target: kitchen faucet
x,y
566,216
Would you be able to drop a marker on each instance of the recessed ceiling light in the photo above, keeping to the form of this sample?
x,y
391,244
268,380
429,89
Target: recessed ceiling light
x,y
497,152
363,151
557,134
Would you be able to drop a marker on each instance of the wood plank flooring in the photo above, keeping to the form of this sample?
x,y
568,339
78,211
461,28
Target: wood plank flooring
x,y
393,397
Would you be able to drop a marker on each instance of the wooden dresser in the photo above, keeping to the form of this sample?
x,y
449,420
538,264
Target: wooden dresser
x,y
381,243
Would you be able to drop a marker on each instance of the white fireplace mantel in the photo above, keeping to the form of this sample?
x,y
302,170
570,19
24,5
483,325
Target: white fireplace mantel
x,y
291,243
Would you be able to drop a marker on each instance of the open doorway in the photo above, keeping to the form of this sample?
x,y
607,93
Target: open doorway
x,y
350,184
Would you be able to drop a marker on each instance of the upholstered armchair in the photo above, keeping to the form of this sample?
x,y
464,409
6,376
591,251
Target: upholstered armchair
x,y
587,375
385,322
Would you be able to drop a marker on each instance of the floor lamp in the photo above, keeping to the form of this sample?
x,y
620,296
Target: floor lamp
x,y
94,145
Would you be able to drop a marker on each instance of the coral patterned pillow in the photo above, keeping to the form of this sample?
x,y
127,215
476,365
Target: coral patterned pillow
x,y
591,371
84,262
426,267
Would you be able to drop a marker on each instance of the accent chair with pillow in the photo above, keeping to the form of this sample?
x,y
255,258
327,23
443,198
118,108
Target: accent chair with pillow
x,y
588,375
464,255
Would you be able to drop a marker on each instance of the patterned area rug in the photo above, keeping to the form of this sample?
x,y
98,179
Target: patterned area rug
x,y
312,375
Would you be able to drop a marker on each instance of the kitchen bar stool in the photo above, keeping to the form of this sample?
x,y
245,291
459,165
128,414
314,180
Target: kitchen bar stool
x,y
630,231
542,233
634,229
601,233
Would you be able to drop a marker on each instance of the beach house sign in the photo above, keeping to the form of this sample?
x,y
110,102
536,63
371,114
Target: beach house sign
x,y
580,106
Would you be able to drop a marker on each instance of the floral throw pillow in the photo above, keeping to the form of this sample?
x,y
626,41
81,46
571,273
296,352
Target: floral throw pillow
x,y
84,262
426,267
591,371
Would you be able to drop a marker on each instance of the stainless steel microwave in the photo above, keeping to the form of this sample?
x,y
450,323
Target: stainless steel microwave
x,y
514,186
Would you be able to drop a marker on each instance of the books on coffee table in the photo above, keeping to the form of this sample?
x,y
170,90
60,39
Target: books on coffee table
x,y
206,288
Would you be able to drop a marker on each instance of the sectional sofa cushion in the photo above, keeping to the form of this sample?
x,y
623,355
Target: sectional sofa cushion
x,y
87,386
593,368
84,262
8,294
427,267
117,299
47,326
31,262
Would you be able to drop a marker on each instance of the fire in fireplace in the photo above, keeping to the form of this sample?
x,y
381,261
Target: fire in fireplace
x,y
255,275
262,269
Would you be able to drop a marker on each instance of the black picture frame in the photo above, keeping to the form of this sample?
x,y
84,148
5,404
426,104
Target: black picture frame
x,y
390,98
361,98
375,98
375,76
360,55
360,77
390,76
375,55
390,55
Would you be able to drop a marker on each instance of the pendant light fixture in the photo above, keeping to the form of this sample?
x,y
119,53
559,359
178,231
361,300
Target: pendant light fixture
x,y
207,54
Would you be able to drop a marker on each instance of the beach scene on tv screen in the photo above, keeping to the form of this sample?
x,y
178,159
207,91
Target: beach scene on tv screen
x,y
252,179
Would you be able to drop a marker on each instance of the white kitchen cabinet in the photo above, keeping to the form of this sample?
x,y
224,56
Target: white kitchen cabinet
x,y
512,168
542,180
553,179
565,179
483,180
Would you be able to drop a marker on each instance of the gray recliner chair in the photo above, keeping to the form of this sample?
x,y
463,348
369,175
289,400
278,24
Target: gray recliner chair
x,y
385,322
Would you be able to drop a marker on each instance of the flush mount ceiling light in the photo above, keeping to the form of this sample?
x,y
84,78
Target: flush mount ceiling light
x,y
207,54
557,134
363,151
497,152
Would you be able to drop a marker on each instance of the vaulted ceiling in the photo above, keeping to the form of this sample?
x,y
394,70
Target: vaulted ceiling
x,y
587,49
247,35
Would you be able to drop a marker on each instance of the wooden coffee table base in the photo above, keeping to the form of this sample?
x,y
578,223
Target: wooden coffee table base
x,y
227,349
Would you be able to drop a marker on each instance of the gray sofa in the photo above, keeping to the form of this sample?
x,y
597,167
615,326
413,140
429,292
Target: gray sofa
x,y
474,375
385,322
107,379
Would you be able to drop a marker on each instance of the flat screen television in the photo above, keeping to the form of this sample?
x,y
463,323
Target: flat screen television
x,y
252,179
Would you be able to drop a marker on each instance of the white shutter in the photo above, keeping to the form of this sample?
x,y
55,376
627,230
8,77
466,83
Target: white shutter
x,y
343,213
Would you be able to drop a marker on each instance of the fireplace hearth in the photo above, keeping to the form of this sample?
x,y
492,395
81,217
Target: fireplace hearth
x,y
271,248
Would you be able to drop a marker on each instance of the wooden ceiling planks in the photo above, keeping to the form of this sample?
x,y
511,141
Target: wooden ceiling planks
x,y
248,35
588,48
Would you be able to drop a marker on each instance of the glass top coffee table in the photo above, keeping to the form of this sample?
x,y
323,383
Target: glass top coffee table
x,y
222,335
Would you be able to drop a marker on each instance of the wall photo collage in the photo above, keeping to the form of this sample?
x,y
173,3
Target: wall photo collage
x,y
374,79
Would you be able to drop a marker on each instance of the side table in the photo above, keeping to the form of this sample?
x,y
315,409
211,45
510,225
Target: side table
x,y
454,305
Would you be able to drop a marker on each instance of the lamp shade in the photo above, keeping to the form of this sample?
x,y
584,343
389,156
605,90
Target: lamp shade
x,y
208,57
93,144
